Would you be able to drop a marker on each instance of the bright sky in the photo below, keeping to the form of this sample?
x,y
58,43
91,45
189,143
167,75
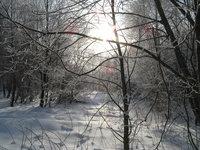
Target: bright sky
x,y
103,28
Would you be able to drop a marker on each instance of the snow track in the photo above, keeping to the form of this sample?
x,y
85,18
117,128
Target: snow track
x,y
74,127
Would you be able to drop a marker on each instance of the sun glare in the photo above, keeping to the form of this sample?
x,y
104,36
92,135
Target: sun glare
x,y
103,31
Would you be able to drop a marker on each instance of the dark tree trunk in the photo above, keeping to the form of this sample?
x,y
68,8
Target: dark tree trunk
x,y
195,105
179,57
42,98
17,97
29,91
46,98
126,139
44,75
13,91
9,88
195,98
185,13
126,125
196,101
4,90
44,93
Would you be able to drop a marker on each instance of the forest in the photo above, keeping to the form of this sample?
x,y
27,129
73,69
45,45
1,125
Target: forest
x,y
99,74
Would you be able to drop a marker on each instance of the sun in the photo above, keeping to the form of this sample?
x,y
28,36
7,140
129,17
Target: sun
x,y
103,31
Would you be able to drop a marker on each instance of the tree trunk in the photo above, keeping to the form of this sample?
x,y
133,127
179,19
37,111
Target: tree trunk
x,y
4,90
179,57
195,105
123,82
44,75
196,101
126,124
42,98
9,92
13,91
42,90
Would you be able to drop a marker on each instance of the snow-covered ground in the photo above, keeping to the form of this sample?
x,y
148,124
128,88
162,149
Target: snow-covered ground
x,y
78,126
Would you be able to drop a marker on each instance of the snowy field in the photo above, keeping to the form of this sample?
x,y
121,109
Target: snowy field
x,y
79,126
